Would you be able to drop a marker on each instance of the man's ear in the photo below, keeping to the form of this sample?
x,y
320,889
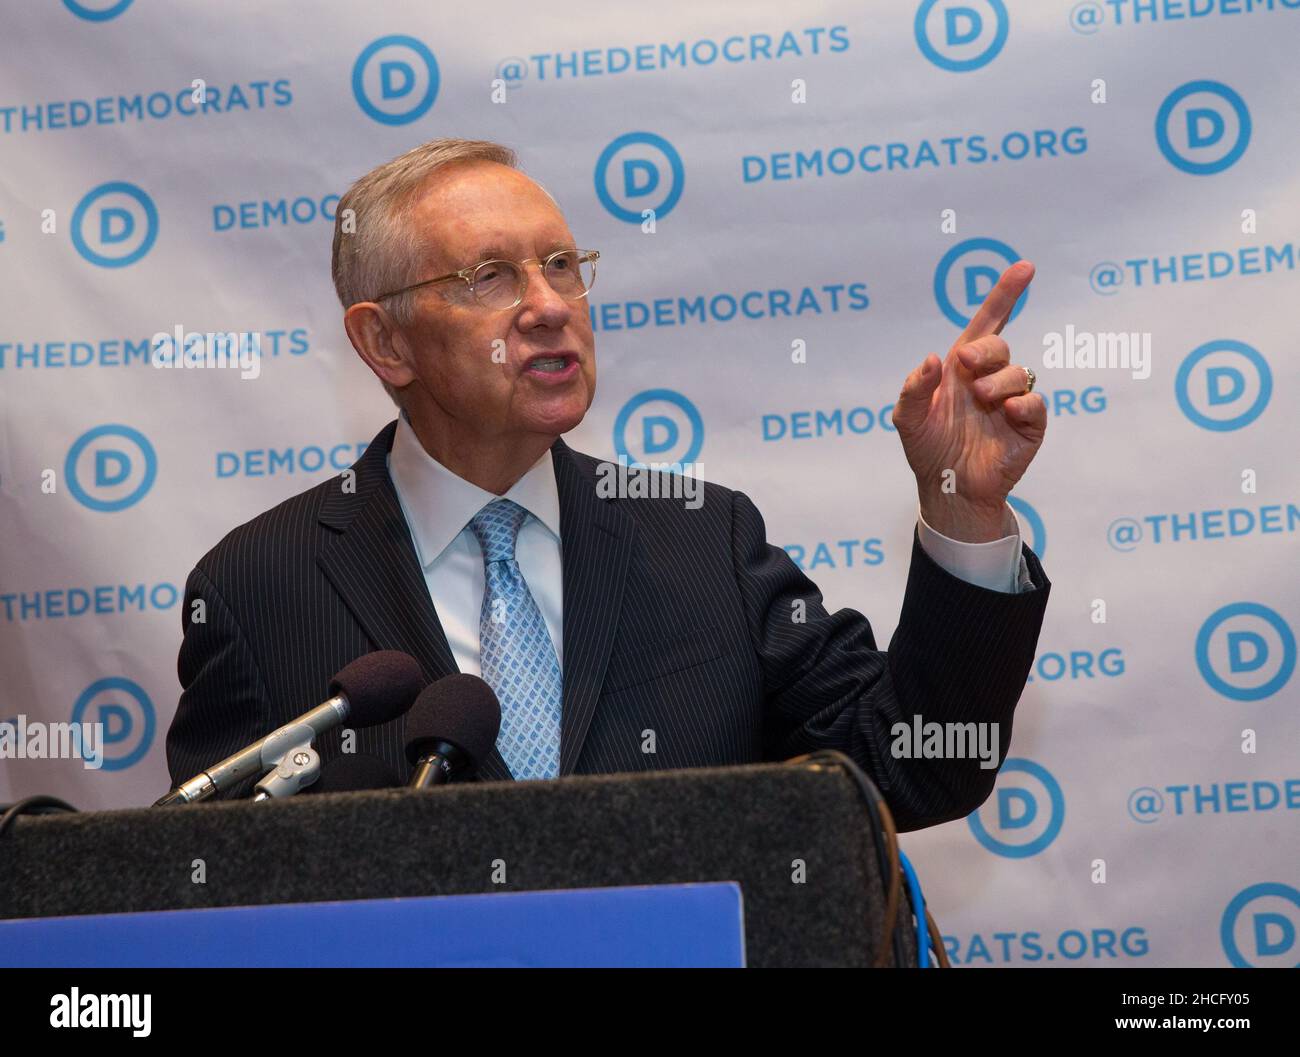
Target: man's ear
x,y
380,342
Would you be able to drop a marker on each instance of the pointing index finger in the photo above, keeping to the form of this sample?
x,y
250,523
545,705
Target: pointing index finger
x,y
993,314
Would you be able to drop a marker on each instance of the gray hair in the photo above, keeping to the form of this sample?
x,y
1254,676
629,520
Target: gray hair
x,y
379,250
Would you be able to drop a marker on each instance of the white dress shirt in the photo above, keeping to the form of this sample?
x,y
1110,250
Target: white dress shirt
x,y
438,507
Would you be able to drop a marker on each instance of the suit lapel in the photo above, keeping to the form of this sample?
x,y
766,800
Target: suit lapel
x,y
373,566
596,540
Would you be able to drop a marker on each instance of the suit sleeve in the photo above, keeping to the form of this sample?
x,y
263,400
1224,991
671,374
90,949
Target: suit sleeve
x,y
961,653
224,704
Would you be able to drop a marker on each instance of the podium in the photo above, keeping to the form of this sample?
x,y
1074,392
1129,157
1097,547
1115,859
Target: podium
x,y
785,849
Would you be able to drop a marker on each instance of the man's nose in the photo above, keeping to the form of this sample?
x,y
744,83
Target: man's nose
x,y
541,297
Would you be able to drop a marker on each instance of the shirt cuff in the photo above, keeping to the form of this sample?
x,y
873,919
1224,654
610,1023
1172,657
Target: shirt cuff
x,y
996,565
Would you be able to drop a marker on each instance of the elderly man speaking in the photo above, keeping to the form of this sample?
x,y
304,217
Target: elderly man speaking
x,y
470,536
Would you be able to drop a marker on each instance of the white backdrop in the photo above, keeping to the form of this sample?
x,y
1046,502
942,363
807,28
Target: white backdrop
x,y
857,170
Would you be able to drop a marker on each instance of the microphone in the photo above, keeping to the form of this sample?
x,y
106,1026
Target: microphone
x,y
450,729
354,771
375,688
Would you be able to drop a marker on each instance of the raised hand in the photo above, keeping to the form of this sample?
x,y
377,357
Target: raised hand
x,y
971,414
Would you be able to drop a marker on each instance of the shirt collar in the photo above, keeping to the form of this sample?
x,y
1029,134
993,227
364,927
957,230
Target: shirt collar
x,y
438,504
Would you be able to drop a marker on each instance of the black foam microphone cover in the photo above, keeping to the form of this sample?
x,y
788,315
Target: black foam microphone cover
x,y
461,710
379,686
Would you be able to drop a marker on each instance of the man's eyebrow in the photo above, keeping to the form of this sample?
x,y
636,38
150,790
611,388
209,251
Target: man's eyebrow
x,y
494,252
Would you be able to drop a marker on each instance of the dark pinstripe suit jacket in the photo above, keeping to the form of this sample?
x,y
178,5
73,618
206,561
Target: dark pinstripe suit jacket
x,y
676,621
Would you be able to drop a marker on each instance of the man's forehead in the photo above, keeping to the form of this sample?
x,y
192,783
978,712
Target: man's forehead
x,y
491,211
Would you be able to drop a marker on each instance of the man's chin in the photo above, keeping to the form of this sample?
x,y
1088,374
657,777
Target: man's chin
x,y
557,415
555,422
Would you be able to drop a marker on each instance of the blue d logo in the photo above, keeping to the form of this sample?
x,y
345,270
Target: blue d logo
x,y
658,426
395,79
105,474
1203,127
960,37
1259,927
1223,385
1246,651
639,171
1017,826
114,225
127,716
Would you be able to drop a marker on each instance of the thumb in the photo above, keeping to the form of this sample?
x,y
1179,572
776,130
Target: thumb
x,y
913,403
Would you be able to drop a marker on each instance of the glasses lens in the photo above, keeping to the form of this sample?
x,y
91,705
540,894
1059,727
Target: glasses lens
x,y
500,284
496,283
571,274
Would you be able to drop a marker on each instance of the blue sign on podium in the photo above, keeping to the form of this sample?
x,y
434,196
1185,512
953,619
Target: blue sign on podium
x,y
684,926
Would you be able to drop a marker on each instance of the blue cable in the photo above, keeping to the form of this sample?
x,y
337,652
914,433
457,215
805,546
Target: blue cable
x,y
918,909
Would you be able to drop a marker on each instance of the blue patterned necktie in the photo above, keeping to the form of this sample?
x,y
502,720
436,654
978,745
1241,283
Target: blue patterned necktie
x,y
516,654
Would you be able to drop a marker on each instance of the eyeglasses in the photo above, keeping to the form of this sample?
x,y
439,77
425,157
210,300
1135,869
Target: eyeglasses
x,y
501,284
